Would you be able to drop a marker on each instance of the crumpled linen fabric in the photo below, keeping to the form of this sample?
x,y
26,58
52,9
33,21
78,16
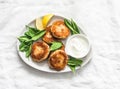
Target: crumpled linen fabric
x,y
101,20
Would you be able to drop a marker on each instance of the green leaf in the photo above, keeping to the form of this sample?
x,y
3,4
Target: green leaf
x,y
28,38
68,24
38,35
23,39
31,31
72,68
22,47
75,26
27,34
73,63
28,51
72,26
76,62
55,46
34,30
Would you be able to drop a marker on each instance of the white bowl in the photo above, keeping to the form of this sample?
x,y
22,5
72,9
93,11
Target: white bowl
x,y
77,46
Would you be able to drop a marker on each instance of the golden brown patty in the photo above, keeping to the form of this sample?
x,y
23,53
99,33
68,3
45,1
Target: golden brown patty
x,y
63,47
48,38
58,60
40,51
48,28
59,30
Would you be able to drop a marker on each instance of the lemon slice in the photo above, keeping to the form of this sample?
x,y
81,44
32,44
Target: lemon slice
x,y
39,24
46,19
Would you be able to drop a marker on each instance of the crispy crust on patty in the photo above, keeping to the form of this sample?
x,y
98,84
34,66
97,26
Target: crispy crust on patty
x,y
48,28
48,38
58,60
40,51
59,30
63,47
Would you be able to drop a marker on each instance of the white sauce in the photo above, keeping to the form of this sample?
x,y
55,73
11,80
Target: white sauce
x,y
77,46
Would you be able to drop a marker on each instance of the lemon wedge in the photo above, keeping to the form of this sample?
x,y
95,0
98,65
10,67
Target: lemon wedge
x,y
39,24
46,19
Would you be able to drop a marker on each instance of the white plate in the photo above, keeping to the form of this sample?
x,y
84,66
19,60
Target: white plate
x,y
43,66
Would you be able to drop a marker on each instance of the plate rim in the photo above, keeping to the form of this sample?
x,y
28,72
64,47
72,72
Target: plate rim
x,y
86,62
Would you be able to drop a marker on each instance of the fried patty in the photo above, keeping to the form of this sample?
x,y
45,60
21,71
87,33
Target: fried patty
x,y
40,51
63,47
59,30
58,60
48,28
48,38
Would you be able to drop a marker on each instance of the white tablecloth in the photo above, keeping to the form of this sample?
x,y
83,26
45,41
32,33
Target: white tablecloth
x,y
100,18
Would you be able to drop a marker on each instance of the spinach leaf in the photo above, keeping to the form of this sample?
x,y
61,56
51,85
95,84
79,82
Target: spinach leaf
x,y
38,35
34,30
28,51
72,26
23,39
55,46
22,47
31,31
31,35
68,24
72,68
73,63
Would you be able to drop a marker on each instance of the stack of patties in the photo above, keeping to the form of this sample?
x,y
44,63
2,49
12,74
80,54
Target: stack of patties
x,y
41,50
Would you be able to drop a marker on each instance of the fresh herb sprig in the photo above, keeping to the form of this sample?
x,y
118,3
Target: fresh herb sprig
x,y
72,26
73,63
28,38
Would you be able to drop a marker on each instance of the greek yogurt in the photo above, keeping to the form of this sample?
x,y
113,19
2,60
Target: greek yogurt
x,y
77,46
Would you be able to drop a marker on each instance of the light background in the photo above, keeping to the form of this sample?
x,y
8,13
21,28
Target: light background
x,y
100,18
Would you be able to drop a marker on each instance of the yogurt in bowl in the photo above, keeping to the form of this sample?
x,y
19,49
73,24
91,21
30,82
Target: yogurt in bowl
x,y
77,46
